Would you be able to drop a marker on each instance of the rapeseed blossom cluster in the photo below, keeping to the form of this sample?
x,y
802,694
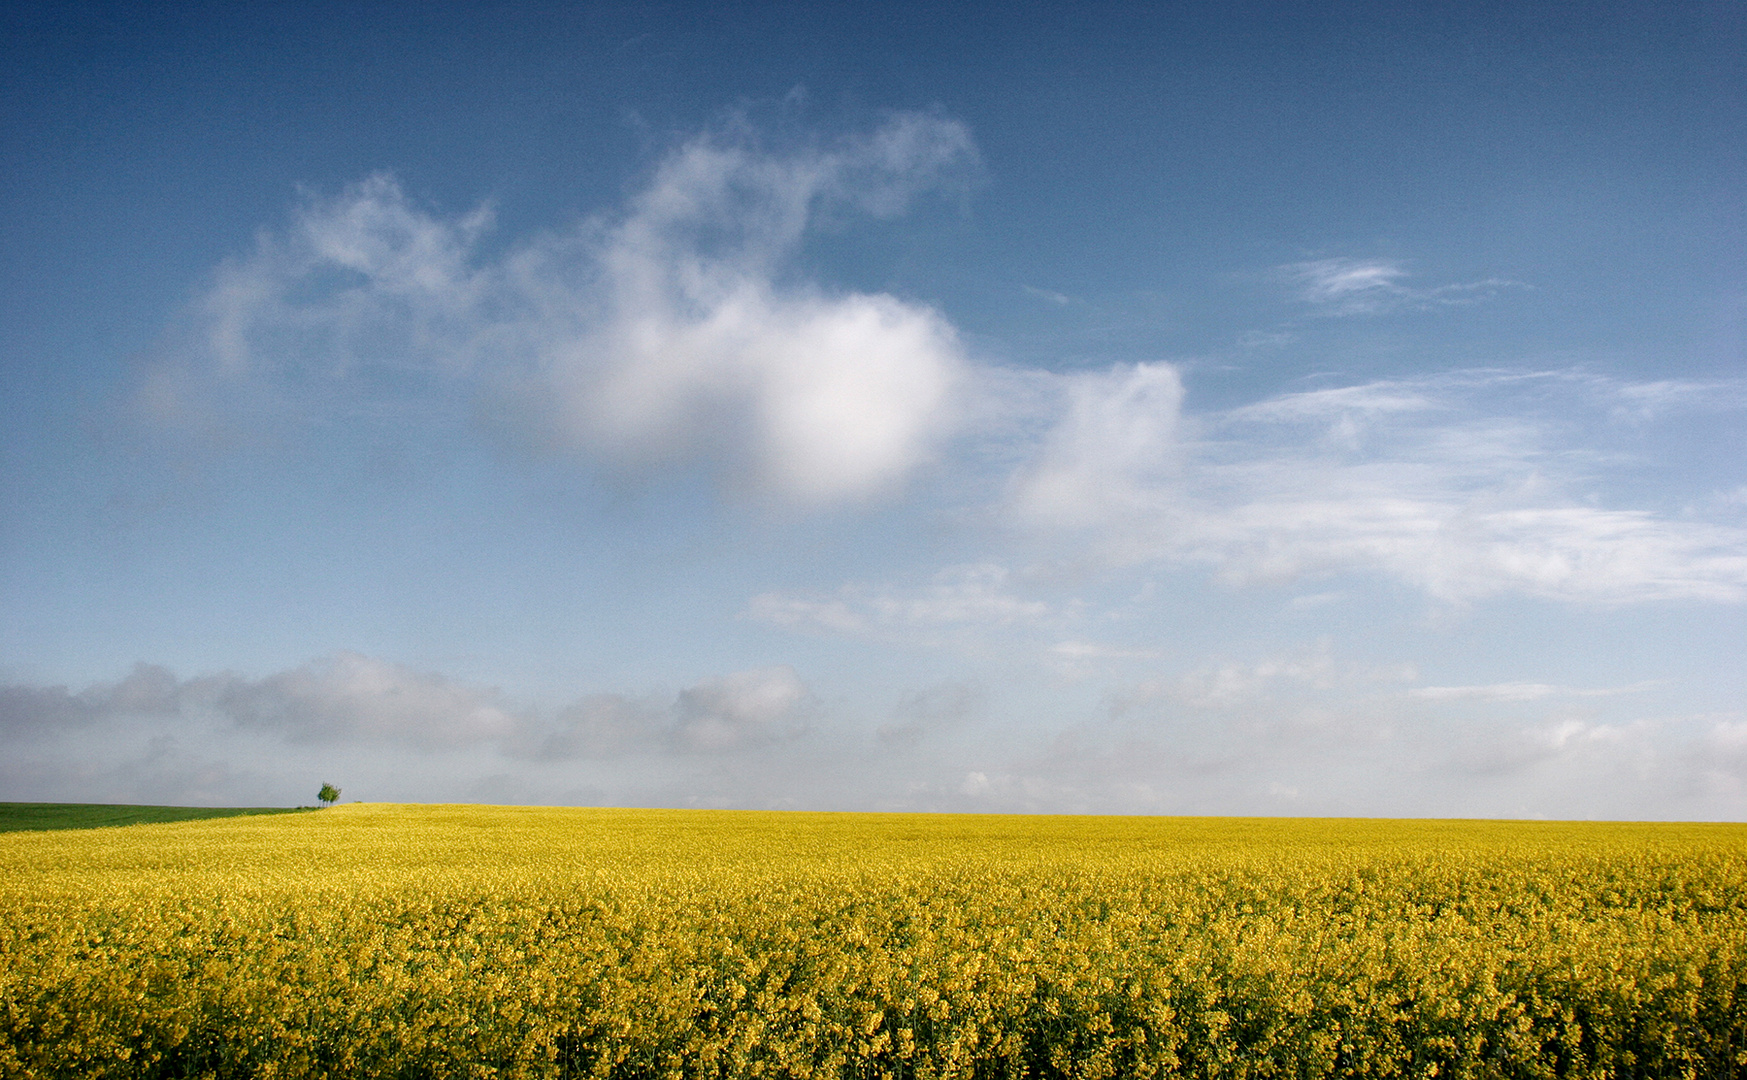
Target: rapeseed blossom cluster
x,y
431,941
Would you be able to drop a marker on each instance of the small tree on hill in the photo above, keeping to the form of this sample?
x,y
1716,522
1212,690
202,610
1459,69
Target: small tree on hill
x,y
329,794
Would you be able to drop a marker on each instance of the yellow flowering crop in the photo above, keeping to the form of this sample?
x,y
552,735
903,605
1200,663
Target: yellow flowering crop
x,y
462,941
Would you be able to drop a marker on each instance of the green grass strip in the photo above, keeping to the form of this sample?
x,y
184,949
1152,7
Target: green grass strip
x,y
38,817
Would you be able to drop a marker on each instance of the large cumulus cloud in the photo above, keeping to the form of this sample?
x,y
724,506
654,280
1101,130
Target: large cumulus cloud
x,y
669,332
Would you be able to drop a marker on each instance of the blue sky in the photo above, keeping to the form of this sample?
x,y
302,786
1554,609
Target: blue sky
x,y
1211,409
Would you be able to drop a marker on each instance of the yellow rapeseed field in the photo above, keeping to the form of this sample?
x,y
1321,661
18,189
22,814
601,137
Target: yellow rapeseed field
x,y
466,941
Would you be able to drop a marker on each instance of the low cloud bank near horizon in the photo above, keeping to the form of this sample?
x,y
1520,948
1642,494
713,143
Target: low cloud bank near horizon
x,y
1304,732
348,698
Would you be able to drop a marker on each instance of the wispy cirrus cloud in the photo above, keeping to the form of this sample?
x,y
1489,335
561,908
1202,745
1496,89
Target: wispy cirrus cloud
x,y
1092,650
1652,400
1370,286
1234,684
1056,298
979,595
1519,691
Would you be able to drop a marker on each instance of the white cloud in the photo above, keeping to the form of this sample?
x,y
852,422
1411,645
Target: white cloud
x,y
1238,684
1517,691
833,615
1444,483
1338,405
352,700
1117,442
1455,550
1056,298
974,595
596,728
697,348
1649,401
348,696
1330,736
1370,286
1091,650
1350,284
1225,736
741,711
1623,754
925,712
362,280
1078,660
29,713
667,334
